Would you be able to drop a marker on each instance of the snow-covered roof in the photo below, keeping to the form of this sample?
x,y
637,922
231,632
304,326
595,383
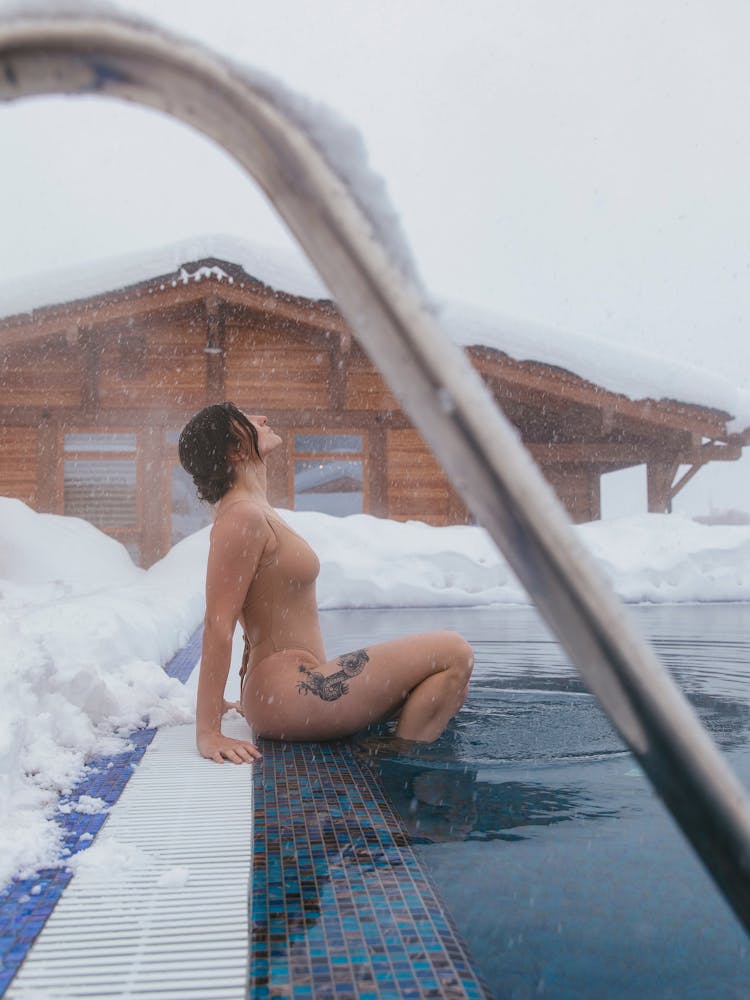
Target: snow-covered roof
x,y
627,370
633,373
284,270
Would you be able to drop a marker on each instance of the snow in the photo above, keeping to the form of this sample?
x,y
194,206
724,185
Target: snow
x,y
634,373
88,804
84,633
176,877
110,861
283,270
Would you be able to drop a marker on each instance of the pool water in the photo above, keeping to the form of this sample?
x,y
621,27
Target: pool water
x,y
561,867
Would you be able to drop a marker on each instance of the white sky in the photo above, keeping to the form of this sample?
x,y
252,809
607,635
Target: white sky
x,y
584,165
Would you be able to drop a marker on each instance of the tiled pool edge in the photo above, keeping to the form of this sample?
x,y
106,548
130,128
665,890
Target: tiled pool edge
x,y
341,906
26,904
337,871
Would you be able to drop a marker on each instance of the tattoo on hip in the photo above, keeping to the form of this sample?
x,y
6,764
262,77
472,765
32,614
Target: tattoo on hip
x,y
333,687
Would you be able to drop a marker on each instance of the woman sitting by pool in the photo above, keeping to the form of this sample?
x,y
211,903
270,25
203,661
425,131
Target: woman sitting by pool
x,y
263,574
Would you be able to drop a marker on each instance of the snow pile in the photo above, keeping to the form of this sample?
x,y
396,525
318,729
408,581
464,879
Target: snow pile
x,y
652,558
83,632
63,551
370,562
82,635
671,559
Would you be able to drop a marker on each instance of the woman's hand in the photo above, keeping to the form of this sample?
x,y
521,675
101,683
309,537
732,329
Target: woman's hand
x,y
236,705
218,747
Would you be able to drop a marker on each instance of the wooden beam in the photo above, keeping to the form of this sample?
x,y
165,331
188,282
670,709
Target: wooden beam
x,y
632,453
176,416
684,480
706,453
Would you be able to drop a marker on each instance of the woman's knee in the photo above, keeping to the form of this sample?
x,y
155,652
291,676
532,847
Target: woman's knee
x,y
459,654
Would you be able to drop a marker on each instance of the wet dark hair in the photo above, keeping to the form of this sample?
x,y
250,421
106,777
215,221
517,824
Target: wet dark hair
x,y
204,447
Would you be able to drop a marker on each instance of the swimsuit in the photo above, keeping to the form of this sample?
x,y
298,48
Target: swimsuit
x,y
281,610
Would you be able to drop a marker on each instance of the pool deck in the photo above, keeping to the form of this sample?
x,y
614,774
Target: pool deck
x,y
339,905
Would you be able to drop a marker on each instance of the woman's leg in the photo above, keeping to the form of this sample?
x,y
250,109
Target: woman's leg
x,y
426,676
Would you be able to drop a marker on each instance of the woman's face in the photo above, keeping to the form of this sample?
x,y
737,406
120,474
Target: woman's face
x,y
267,438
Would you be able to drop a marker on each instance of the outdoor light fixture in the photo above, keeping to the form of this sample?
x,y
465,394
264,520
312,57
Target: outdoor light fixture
x,y
211,346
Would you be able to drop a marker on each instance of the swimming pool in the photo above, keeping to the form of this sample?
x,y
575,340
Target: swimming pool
x,y
561,868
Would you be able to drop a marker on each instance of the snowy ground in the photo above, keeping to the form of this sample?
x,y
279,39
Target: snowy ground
x,y
84,633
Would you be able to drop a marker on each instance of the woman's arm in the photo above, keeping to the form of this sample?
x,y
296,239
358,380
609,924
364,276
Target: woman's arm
x,y
237,542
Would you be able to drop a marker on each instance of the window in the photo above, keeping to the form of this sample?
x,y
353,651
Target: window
x,y
329,473
100,480
188,513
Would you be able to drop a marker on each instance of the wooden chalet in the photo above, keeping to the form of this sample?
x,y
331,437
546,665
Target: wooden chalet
x,y
96,390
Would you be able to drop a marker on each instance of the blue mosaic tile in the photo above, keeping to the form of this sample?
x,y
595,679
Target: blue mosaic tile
x,y
25,904
341,906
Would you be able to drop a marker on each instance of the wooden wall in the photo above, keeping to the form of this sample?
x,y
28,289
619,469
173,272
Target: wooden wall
x,y
19,464
268,368
161,367
417,487
43,375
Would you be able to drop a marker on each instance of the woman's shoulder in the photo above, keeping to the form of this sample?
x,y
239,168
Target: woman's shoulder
x,y
240,516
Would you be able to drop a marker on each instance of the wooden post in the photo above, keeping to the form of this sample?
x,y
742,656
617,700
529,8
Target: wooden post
x,y
456,510
153,467
49,457
659,476
91,351
279,473
339,370
214,351
594,493
376,472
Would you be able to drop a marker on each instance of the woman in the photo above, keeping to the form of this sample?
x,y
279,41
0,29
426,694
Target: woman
x,y
262,574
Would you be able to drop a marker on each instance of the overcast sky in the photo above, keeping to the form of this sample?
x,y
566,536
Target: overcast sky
x,y
583,164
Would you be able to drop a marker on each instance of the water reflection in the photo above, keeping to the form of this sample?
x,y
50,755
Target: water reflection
x,y
468,785
727,720
440,805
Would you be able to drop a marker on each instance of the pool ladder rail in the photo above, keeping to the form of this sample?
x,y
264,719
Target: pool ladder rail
x,y
291,153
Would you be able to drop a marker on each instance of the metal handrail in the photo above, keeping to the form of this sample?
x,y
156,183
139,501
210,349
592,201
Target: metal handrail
x,y
88,53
